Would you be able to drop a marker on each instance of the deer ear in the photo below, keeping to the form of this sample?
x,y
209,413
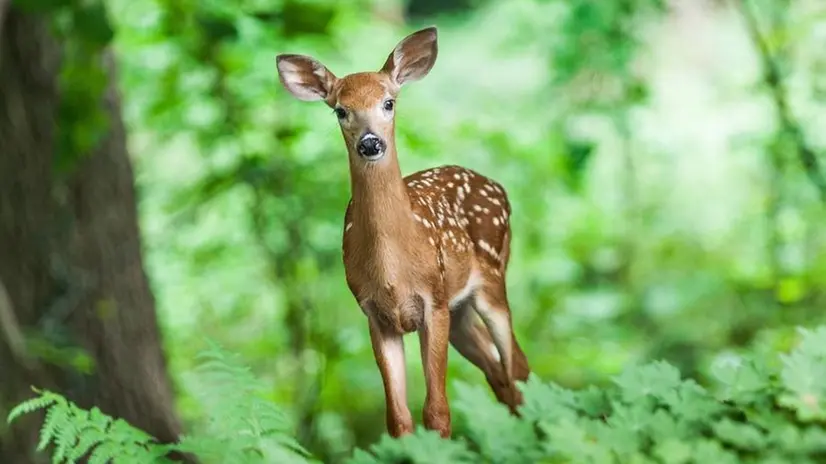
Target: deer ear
x,y
304,77
413,57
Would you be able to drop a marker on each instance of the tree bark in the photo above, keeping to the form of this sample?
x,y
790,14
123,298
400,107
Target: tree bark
x,y
70,255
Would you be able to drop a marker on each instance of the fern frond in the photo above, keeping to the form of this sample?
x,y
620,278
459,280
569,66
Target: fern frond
x,y
105,453
43,401
57,419
76,432
240,418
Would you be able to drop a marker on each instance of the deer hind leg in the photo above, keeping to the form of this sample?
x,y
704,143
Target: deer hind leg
x,y
501,360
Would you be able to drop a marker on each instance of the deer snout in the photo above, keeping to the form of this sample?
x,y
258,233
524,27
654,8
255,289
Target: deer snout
x,y
370,146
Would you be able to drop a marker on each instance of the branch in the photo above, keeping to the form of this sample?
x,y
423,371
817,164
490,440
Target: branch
x,y
772,78
10,327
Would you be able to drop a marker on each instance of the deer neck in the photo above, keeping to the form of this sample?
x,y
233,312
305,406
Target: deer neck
x,y
381,206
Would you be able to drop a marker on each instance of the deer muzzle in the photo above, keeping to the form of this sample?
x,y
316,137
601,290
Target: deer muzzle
x,y
371,147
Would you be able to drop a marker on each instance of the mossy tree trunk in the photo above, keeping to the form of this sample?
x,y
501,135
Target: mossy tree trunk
x,y
77,313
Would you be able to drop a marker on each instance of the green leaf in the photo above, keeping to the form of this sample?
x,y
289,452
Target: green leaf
x,y
740,378
544,400
420,447
691,402
34,404
655,380
673,451
500,435
804,377
743,436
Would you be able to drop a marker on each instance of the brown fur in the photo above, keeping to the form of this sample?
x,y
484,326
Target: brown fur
x,y
427,252
362,91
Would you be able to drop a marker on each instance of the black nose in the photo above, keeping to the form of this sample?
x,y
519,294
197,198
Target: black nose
x,y
370,146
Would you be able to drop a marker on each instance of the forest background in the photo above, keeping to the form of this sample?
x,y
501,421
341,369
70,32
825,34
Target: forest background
x,y
159,188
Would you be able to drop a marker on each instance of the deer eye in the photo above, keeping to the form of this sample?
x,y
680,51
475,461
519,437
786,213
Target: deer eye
x,y
340,113
388,105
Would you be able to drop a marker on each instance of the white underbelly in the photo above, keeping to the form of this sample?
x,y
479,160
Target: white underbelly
x,y
473,283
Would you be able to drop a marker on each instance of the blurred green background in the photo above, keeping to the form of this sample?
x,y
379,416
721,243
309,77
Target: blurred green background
x,y
651,219
661,158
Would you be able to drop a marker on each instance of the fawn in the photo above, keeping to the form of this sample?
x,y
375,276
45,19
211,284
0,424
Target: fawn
x,y
427,252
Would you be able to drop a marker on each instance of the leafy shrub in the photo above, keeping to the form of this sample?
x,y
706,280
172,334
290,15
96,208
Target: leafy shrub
x,y
762,409
242,427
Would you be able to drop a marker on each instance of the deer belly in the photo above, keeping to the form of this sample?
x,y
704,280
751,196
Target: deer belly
x,y
400,315
459,297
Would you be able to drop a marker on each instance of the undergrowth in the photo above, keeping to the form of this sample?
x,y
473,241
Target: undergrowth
x,y
762,408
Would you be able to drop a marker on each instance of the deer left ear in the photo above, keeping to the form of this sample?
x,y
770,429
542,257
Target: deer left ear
x,y
413,57
305,77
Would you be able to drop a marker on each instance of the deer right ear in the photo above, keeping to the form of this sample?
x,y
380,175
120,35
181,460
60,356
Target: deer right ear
x,y
413,57
304,77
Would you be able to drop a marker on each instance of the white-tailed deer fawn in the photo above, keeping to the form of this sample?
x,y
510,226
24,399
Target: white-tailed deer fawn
x,y
427,252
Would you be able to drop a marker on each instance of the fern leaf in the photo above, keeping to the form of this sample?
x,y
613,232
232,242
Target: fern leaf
x,y
29,406
90,433
66,433
122,432
85,442
104,453
57,418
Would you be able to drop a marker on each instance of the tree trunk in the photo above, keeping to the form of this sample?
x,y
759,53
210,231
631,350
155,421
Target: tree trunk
x,y
70,256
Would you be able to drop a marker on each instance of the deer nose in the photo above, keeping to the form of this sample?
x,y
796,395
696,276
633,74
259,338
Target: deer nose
x,y
371,146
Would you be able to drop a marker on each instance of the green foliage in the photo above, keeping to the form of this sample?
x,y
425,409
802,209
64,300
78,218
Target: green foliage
x,y
648,222
754,413
242,427
76,433
632,150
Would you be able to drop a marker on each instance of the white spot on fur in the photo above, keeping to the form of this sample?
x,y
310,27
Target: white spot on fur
x,y
489,249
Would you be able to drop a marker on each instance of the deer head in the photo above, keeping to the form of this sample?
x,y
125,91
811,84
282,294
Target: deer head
x,y
363,102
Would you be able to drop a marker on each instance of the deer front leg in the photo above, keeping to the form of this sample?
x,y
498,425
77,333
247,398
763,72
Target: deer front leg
x,y
388,349
434,338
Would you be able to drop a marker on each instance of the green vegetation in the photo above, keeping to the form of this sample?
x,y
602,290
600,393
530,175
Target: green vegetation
x,y
668,204
763,408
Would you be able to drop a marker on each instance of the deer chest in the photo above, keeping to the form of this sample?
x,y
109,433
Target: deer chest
x,y
392,293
